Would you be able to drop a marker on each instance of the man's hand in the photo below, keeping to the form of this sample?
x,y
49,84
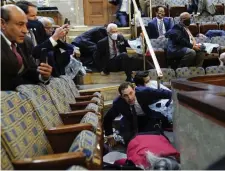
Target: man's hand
x,y
60,32
111,141
45,70
76,53
196,47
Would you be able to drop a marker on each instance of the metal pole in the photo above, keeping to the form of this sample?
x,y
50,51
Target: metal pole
x,y
129,13
155,61
150,8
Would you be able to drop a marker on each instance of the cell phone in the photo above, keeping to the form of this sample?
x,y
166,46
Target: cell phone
x,y
44,56
66,21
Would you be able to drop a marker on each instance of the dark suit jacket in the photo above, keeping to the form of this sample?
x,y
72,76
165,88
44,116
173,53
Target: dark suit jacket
x,y
119,3
56,59
87,41
38,30
102,55
145,96
10,78
178,41
153,31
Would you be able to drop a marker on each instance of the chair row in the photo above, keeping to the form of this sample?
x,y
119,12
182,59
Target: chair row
x,y
172,10
185,72
218,19
160,45
51,127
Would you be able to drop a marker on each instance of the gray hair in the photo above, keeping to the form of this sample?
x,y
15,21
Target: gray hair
x,y
45,21
110,26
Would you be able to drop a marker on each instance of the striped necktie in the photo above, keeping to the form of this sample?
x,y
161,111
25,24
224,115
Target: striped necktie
x,y
161,28
18,56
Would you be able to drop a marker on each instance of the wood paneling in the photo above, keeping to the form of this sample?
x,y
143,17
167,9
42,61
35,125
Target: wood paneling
x,y
98,12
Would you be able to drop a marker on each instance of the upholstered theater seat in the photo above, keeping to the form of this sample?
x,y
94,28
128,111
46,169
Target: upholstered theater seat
x,y
24,139
204,27
52,119
168,75
215,70
6,164
187,72
70,87
194,29
177,10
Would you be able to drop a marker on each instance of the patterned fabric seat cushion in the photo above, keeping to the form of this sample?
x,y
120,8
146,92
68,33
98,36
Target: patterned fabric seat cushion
x,y
6,164
92,106
85,142
186,72
42,103
92,119
168,74
203,19
58,95
219,19
215,70
74,89
159,43
218,40
145,20
21,130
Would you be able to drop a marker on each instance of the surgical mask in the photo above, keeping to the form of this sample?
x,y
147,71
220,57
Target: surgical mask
x,y
114,36
187,22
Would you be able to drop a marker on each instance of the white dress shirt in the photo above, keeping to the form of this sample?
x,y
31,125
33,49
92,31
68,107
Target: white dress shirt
x,y
158,23
125,6
111,49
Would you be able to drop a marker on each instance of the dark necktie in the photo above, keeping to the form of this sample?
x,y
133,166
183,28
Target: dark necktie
x,y
114,47
18,56
134,119
161,28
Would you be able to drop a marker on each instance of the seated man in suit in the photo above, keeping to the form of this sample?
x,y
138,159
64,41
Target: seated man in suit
x,y
18,66
133,103
160,24
111,54
163,106
87,42
182,45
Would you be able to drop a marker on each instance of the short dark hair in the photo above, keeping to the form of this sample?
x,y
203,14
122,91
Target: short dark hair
x,y
24,5
5,14
159,6
139,77
125,85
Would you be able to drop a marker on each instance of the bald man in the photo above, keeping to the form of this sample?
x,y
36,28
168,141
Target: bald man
x,y
182,45
17,65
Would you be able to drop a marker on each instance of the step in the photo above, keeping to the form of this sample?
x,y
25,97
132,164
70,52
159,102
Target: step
x,y
109,91
97,78
107,106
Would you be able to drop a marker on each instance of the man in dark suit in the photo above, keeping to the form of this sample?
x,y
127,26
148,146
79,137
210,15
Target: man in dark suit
x,y
182,45
17,66
34,26
122,13
87,42
160,24
133,104
192,6
111,54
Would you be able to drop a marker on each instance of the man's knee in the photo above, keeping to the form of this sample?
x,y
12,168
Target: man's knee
x,y
191,53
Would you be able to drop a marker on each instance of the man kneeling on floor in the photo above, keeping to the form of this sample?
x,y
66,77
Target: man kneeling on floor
x,y
133,103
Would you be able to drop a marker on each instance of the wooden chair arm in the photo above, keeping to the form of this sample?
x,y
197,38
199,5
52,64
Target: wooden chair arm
x,y
82,93
50,162
74,116
62,137
83,98
81,105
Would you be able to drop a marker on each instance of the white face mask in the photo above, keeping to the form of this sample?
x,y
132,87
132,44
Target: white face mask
x,y
114,36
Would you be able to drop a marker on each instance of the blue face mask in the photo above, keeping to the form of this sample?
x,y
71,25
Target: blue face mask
x,y
33,24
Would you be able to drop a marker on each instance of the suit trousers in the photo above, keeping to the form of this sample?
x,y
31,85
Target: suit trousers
x,y
123,62
123,19
192,58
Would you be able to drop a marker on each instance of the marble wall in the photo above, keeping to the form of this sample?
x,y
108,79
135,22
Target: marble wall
x,y
71,9
199,140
